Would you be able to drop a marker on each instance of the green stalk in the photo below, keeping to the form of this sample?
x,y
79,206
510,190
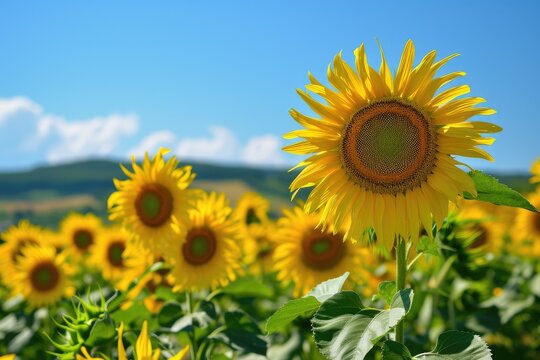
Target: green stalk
x,y
192,338
401,275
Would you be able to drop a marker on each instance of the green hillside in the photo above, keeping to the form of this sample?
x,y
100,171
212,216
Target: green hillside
x,y
45,194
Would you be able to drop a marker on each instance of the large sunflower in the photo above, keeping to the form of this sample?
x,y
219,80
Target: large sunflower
x,y
79,232
42,275
119,260
154,196
207,254
382,147
307,256
526,232
16,238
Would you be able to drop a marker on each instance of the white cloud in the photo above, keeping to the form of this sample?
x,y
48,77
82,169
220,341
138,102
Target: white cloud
x,y
221,146
263,150
153,142
97,136
11,107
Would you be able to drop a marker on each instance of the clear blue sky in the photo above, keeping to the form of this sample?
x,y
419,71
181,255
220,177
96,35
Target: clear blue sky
x,y
214,76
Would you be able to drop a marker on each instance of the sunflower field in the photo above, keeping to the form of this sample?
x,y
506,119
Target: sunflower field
x,y
391,248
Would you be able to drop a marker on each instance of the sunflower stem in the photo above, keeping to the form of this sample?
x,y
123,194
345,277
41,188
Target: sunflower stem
x,y
401,275
193,340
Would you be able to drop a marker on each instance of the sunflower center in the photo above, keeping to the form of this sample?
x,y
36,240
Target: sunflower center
x,y
537,222
200,246
45,276
17,251
83,239
154,205
481,237
114,253
252,218
322,251
389,147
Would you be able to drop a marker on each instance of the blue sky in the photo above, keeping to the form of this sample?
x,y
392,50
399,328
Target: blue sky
x,y
215,80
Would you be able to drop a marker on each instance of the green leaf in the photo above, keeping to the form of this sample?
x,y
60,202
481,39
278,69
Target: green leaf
x,y
102,331
242,333
291,310
328,288
458,345
248,286
387,289
169,313
332,318
395,351
489,189
345,330
428,246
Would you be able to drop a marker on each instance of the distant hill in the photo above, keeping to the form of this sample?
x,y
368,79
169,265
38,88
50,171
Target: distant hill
x,y
46,193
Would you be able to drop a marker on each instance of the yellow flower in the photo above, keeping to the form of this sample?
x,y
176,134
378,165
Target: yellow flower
x,y
154,196
42,276
535,171
260,249
481,224
526,231
8,357
308,256
143,348
382,147
119,261
79,233
207,254
251,210
17,237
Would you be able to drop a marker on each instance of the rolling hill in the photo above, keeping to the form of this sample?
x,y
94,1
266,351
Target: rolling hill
x,y
45,194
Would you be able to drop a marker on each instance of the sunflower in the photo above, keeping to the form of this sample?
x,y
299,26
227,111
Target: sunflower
x,y
42,276
481,226
143,347
535,171
262,248
307,256
152,199
7,357
120,261
206,254
251,210
79,232
382,147
17,237
526,231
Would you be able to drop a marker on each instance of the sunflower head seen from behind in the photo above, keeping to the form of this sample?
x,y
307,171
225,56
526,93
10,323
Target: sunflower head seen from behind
x,y
307,255
154,196
382,146
206,255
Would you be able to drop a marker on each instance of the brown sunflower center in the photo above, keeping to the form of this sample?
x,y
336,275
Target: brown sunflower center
x,y
322,251
17,250
154,205
83,238
200,246
114,253
481,236
389,147
251,217
536,221
45,276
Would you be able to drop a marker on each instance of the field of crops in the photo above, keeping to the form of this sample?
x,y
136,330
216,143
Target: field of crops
x,y
390,249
